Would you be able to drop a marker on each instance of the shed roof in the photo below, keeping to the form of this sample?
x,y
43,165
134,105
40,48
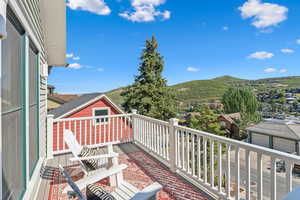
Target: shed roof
x,y
78,103
280,128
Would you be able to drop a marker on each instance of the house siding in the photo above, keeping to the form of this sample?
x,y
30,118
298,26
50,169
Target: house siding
x,y
28,13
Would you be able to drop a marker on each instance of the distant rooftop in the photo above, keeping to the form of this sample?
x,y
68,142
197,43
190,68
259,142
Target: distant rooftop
x,y
289,129
65,108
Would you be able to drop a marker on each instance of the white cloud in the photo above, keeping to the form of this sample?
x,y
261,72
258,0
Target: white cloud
x,y
192,69
283,70
145,11
225,28
75,66
264,14
298,41
261,55
69,55
287,50
76,58
98,7
270,70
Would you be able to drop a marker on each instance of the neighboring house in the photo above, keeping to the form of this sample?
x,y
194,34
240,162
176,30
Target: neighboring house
x,y
228,122
56,100
32,38
87,105
281,135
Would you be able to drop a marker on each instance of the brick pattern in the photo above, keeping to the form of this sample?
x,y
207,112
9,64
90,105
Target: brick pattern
x,y
142,171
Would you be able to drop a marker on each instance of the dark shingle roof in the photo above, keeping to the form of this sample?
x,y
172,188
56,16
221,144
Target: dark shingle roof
x,y
279,128
67,107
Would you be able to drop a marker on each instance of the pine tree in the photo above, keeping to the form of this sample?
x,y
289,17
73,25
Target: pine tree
x,y
149,93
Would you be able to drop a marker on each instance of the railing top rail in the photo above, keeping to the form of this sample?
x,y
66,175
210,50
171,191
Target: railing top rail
x,y
244,145
151,119
89,118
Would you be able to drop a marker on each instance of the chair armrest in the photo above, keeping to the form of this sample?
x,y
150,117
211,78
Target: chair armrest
x,y
97,176
147,192
96,157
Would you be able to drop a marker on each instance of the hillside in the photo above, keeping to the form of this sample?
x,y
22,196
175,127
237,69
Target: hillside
x,y
213,89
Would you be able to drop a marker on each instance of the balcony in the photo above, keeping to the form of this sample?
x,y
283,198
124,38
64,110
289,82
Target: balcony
x,y
177,157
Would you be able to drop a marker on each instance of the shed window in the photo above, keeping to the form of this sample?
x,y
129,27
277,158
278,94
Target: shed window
x,y
101,112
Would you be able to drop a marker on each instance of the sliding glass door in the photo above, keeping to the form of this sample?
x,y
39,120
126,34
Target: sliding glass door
x,y
13,136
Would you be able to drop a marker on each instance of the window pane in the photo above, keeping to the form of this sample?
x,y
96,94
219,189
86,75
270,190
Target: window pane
x,y
13,158
101,112
11,70
32,77
33,109
33,138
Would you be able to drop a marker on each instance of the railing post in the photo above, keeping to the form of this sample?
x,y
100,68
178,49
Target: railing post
x,y
134,131
172,146
49,138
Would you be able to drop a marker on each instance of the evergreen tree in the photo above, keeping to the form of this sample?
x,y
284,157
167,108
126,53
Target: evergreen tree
x,y
206,120
241,100
149,93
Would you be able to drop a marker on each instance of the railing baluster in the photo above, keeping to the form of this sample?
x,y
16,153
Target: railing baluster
x,y
94,131
109,135
182,150
228,186
220,167
193,154
259,177
205,159
237,177
212,163
90,132
85,132
114,136
57,136
63,141
289,177
273,178
188,152
122,121
164,141
199,157
248,175
80,132
167,143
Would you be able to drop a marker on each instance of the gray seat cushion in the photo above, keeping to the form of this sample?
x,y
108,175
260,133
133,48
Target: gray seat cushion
x,y
96,192
91,164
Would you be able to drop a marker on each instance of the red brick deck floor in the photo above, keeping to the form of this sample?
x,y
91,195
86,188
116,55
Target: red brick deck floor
x,y
142,170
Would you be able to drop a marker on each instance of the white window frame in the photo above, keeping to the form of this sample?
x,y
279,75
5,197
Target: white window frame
x,y
101,108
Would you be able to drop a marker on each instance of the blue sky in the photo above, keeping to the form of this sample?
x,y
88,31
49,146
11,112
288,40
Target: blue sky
x,y
199,39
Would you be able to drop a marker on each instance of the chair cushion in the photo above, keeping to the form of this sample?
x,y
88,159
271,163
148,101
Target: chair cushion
x,y
96,192
91,164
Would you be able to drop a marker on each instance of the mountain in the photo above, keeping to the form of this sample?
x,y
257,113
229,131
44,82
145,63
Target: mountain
x,y
213,89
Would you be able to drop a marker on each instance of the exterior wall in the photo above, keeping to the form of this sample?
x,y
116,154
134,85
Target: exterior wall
x,y
284,145
89,133
261,140
88,111
277,143
28,13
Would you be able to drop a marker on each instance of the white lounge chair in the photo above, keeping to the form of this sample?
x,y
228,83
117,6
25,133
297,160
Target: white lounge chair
x,y
125,191
108,163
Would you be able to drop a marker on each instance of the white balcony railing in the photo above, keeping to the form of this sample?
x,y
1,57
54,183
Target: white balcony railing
x,y
223,167
89,131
